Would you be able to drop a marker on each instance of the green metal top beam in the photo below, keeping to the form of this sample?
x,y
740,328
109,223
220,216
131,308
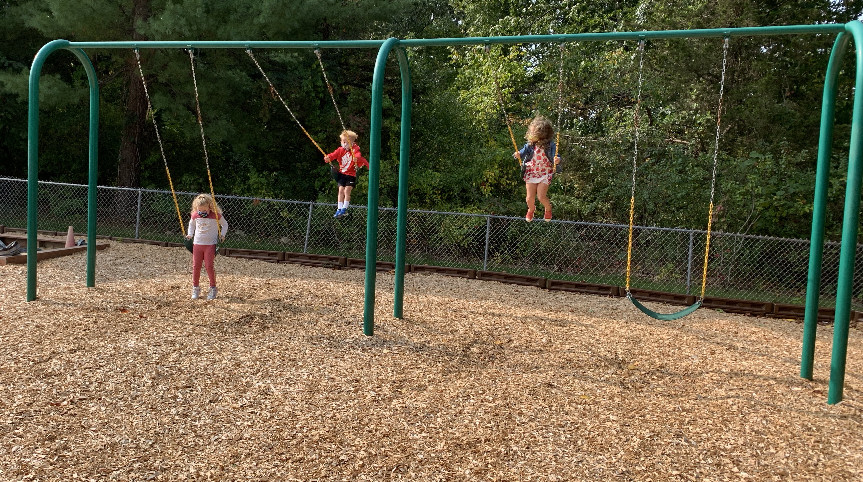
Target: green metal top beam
x,y
230,44
657,34
575,37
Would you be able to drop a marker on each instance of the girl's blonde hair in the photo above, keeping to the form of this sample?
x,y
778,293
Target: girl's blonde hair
x,y
350,135
205,199
540,131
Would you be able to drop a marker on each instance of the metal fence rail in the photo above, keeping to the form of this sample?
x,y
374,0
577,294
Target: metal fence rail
x,y
740,266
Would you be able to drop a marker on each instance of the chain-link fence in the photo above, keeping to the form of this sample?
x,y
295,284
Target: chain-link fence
x,y
740,266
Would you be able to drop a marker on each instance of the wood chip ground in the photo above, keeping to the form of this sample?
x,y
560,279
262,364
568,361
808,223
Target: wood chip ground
x,y
275,380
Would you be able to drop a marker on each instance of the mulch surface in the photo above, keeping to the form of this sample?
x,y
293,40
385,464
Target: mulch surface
x,y
275,380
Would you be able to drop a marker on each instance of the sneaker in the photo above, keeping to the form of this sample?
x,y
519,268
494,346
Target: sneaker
x,y
338,213
547,215
344,212
211,295
196,292
529,216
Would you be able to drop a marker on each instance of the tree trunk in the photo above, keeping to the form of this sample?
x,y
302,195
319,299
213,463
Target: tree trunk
x,y
129,162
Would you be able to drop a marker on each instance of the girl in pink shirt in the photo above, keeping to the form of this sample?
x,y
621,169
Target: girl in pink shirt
x,y
206,228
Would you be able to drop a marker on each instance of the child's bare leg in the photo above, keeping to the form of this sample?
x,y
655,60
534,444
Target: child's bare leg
x,y
347,194
542,194
341,194
531,196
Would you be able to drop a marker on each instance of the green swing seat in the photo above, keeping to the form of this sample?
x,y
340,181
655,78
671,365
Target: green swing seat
x,y
689,309
663,316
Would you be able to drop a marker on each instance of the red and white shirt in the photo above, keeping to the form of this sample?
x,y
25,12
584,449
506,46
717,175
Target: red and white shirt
x,y
540,169
348,160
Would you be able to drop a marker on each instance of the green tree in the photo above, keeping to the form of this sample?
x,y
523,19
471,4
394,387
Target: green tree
x,y
254,144
770,110
461,157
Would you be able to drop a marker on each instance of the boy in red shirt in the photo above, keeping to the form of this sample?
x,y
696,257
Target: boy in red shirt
x,y
350,159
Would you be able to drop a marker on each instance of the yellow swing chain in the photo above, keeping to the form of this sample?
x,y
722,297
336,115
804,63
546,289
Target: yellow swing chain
x,y
152,116
715,162
712,178
204,143
279,96
634,165
503,109
506,117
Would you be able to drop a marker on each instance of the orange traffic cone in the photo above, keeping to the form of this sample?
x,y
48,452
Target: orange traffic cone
x,y
70,238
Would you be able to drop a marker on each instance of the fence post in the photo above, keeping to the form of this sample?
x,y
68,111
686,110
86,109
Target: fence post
x,y
689,263
138,218
308,229
487,236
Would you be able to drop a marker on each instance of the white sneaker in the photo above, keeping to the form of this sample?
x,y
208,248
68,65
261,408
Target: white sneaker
x,y
196,292
211,295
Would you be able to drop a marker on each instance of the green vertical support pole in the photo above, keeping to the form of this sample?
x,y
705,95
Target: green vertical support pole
x,y
404,162
822,178
33,160
374,183
849,230
93,170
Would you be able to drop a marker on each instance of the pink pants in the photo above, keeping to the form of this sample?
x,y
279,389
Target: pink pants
x,y
206,254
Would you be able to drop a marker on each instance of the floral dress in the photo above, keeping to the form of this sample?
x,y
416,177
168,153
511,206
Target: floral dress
x,y
540,169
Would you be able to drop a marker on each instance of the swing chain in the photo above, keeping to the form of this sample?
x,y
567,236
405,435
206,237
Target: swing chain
x,y
152,116
279,96
719,118
506,118
329,87
198,112
634,167
204,143
559,100
637,115
487,50
715,163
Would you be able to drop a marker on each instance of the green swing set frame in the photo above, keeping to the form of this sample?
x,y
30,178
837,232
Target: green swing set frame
x,y
843,34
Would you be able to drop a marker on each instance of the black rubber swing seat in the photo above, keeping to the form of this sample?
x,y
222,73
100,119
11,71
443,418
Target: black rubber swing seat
x,y
189,244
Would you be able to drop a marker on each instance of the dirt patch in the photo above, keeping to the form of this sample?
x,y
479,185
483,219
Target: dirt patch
x,y
274,380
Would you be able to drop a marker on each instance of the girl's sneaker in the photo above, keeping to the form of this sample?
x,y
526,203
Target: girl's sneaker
x,y
529,216
211,295
547,215
196,292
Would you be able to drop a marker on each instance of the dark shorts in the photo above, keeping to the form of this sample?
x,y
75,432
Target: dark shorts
x,y
345,180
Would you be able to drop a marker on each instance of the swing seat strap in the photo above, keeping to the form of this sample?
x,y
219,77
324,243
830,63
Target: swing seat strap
x,y
663,316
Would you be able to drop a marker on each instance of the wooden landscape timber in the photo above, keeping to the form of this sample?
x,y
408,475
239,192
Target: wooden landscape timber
x,y
48,248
